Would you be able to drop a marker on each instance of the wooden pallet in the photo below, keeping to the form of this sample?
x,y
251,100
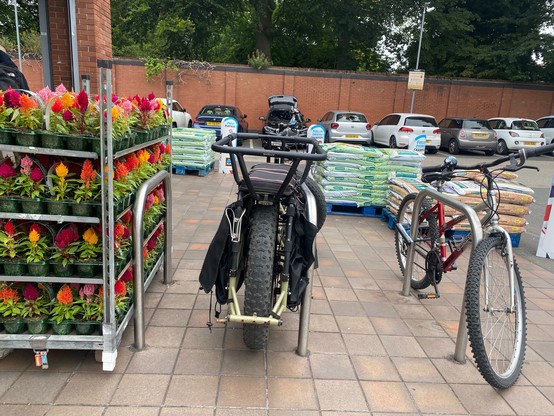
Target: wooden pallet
x,y
354,210
192,170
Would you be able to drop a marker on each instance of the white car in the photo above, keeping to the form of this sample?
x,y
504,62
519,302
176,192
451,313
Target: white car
x,y
516,133
546,124
399,129
180,116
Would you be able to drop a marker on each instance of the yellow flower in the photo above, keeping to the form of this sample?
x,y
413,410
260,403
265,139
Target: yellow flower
x,y
61,170
115,113
156,200
90,236
34,236
67,100
143,157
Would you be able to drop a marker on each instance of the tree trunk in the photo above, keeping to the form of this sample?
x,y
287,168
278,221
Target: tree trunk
x,y
264,24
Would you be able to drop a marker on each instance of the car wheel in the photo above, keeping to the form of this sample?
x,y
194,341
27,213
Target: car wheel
x,y
489,152
190,124
502,148
326,139
174,124
392,142
432,150
453,147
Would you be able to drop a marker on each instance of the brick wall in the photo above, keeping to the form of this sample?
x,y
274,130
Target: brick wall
x,y
320,91
59,42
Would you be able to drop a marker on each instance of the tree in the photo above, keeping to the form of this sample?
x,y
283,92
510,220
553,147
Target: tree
x,y
27,16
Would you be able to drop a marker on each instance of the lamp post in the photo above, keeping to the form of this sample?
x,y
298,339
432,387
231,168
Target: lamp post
x,y
15,6
425,5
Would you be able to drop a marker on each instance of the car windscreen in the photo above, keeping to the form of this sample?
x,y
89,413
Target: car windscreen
x,y
524,125
279,115
217,111
351,118
477,124
420,122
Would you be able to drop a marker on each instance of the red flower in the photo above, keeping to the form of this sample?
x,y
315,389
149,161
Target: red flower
x,y
151,244
151,96
57,106
9,228
7,171
144,105
127,276
1,100
11,98
120,289
127,218
36,175
81,103
36,227
68,115
31,292
66,236
120,171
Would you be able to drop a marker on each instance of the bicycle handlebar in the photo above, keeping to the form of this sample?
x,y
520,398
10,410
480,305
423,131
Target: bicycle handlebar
x,y
522,154
223,145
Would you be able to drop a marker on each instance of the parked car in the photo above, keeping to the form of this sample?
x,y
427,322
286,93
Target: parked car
x,y
345,126
210,116
398,129
459,133
283,109
516,133
180,116
546,124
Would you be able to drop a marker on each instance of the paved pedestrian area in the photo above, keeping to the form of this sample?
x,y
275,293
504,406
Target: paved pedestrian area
x,y
372,351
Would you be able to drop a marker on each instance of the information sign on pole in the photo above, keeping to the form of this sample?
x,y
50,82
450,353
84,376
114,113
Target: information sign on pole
x,y
228,126
546,239
416,80
316,131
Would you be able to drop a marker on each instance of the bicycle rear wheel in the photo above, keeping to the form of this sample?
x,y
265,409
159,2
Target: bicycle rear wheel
x,y
259,273
496,334
428,234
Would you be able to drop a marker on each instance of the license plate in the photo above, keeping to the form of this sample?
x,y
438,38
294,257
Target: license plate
x,y
427,141
351,136
529,143
213,123
480,135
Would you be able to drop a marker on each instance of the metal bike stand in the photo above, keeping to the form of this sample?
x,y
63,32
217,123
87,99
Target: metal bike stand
x,y
304,324
138,241
477,236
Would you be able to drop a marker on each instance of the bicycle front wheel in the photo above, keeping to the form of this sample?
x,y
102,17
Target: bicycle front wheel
x,y
428,234
497,333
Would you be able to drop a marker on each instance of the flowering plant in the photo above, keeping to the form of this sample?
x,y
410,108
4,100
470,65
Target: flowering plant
x,y
62,185
121,298
11,304
29,182
87,184
123,182
6,111
10,241
8,176
65,245
64,306
146,170
71,113
35,245
145,110
27,111
34,302
89,248
91,303
122,240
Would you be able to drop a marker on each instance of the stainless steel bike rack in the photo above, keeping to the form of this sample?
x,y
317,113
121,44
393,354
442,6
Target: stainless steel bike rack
x,y
477,236
138,241
304,324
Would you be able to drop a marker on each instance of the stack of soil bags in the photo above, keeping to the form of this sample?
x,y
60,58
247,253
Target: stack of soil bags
x,y
192,148
514,197
358,175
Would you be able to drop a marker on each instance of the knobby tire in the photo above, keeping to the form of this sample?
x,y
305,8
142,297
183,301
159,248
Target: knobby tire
x,y
259,273
497,337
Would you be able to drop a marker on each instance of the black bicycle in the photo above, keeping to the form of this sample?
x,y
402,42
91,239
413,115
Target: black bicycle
x,y
266,238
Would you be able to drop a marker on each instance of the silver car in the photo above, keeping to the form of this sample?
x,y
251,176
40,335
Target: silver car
x,y
345,126
459,133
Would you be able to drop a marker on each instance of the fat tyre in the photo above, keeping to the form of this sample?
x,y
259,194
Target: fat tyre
x,y
428,234
497,337
320,201
259,273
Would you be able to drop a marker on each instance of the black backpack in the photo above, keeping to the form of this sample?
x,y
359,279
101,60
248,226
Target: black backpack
x,y
12,77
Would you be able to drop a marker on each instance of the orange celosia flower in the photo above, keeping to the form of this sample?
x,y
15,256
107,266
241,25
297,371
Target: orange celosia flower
x,y
88,174
68,100
143,156
61,170
168,149
64,295
120,170
115,113
90,236
34,236
156,200
27,103
145,253
157,154
100,291
119,230
8,294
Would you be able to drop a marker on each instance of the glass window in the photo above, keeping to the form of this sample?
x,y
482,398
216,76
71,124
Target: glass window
x,y
525,125
279,115
391,120
477,124
420,122
455,124
444,123
176,106
351,117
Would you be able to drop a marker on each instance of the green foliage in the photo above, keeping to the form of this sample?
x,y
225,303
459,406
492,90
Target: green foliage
x,y
259,60
155,66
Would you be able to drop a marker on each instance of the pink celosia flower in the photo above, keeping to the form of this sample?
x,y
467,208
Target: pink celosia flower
x,y
26,165
36,174
149,201
127,106
60,89
7,171
45,94
87,290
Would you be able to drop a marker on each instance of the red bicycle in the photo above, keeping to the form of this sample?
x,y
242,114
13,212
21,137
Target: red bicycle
x,y
494,297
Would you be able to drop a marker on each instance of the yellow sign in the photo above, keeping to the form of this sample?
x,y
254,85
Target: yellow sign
x,y
416,80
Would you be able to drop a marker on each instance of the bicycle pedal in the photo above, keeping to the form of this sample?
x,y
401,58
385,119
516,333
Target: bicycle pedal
x,y
454,266
428,296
